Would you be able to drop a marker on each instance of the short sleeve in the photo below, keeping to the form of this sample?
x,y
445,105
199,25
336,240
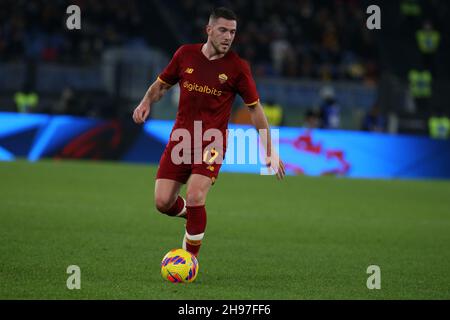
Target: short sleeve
x,y
246,86
171,74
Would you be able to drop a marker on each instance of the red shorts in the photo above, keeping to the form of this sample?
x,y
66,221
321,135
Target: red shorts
x,y
181,172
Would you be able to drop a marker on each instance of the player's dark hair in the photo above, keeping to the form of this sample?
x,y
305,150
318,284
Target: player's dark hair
x,y
223,12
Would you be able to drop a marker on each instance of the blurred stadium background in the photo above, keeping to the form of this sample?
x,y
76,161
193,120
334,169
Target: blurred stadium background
x,y
316,64
297,50
348,101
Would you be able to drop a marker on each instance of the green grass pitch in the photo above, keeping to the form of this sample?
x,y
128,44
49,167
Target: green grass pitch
x,y
301,238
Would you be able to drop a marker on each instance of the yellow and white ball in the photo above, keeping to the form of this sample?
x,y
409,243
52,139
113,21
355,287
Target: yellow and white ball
x,y
179,265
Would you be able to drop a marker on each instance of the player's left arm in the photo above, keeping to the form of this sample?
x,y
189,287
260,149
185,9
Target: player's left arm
x,y
246,88
259,121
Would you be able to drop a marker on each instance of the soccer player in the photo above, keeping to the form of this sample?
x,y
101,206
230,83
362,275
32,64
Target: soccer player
x,y
209,75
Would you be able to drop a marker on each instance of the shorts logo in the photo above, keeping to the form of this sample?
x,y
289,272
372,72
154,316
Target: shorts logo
x,y
223,78
203,89
189,70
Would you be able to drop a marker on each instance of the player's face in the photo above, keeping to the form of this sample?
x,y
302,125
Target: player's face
x,y
221,33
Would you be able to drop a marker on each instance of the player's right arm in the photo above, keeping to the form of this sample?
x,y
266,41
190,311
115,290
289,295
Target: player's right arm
x,y
154,93
169,77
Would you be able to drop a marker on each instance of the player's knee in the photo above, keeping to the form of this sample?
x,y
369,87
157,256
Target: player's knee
x,y
163,204
195,198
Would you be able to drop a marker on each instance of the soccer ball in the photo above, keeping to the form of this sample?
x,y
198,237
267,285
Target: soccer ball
x,y
179,265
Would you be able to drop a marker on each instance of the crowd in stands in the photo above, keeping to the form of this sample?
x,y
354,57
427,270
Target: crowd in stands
x,y
293,39
37,29
324,40
320,39
310,39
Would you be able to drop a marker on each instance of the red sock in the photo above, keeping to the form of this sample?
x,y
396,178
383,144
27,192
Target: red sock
x,y
177,208
195,228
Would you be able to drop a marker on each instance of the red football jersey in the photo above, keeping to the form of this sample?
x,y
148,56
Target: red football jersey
x,y
208,87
